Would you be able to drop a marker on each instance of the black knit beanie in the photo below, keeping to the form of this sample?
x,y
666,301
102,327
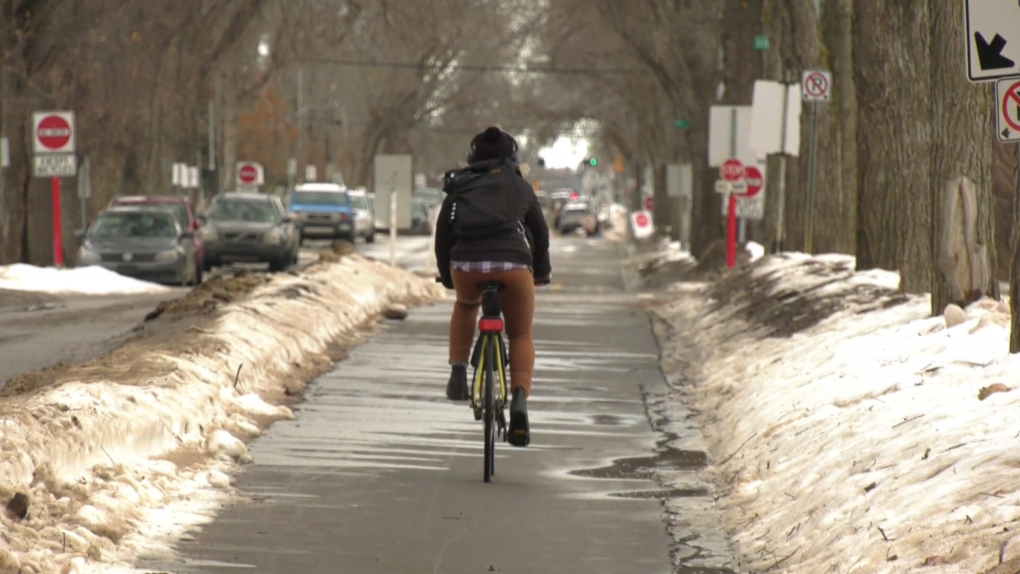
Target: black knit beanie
x,y
492,143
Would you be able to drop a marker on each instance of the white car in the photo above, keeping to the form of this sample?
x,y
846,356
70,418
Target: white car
x,y
364,215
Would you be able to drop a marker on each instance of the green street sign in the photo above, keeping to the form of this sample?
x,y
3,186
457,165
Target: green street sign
x,y
681,124
761,43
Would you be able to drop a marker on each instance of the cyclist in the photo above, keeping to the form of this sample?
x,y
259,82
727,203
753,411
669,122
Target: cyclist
x,y
509,206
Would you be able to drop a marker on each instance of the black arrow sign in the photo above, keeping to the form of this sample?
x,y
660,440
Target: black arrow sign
x,y
990,55
1005,134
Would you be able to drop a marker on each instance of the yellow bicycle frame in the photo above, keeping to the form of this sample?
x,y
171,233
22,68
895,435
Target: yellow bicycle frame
x,y
480,372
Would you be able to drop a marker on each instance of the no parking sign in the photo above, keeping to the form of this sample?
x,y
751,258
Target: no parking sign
x,y
641,223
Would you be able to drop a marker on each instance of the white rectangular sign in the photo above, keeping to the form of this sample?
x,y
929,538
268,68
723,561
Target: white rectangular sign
x,y
193,177
679,180
993,39
5,153
62,165
53,132
722,140
816,86
767,129
1007,110
393,174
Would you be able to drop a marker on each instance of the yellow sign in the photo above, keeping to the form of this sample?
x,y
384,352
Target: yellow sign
x,y
618,164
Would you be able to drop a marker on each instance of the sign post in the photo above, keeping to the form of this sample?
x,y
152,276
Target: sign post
x,y
817,88
53,146
393,176
732,172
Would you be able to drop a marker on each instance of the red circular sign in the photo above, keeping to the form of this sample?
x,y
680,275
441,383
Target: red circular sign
x,y
732,170
754,181
649,204
816,85
53,132
248,174
1013,97
641,220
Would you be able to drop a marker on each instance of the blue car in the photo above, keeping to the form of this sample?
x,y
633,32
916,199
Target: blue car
x,y
322,211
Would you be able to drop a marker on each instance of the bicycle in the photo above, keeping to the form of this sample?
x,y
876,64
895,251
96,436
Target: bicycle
x,y
489,388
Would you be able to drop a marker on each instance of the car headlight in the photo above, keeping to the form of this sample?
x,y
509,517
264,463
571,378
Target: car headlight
x,y
168,256
275,236
87,256
208,233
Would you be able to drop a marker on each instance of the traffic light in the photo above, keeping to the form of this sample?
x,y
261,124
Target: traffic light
x,y
593,161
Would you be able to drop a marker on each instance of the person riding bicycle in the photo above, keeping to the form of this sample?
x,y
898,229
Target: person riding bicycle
x,y
491,228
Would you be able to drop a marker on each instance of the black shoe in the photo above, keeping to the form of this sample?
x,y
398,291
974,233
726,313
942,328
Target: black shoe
x,y
519,433
457,387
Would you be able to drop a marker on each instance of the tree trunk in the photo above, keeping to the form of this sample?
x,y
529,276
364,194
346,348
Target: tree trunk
x,y
961,145
661,213
891,72
838,198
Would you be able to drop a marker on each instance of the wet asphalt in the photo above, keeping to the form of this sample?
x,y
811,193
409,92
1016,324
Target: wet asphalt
x,y
380,473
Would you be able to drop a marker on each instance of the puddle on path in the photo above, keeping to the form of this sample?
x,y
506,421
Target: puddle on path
x,y
644,467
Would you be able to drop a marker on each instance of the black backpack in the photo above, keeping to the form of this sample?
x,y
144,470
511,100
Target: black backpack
x,y
485,204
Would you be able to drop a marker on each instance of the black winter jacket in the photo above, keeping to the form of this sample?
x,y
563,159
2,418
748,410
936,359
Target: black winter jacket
x,y
513,249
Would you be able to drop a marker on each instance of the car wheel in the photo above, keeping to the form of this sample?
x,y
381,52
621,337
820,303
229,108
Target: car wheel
x,y
278,265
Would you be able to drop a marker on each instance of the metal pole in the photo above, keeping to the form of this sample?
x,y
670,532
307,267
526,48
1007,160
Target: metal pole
x,y
393,227
809,227
742,229
301,116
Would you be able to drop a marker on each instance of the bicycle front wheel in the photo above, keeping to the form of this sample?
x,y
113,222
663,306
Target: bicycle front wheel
x,y
490,408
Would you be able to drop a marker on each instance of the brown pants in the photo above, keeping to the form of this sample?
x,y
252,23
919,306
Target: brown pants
x,y
518,301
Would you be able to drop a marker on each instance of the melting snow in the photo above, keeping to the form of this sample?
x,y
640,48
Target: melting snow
x,y
82,281
859,444
82,452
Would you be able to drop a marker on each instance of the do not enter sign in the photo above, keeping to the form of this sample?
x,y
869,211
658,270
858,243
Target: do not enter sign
x,y
249,173
53,132
754,181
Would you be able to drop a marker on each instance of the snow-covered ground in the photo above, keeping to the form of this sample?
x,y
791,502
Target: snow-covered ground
x,y
848,430
84,281
115,463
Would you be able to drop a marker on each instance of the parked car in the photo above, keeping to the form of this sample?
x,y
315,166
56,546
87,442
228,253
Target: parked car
x,y
145,242
322,210
364,215
249,228
185,213
578,215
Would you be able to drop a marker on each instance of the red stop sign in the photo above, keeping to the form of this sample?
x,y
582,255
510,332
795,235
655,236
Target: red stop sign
x,y
641,220
755,181
248,174
53,132
649,204
731,170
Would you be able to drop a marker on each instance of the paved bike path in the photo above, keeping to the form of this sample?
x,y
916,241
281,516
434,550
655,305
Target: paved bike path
x,y
379,473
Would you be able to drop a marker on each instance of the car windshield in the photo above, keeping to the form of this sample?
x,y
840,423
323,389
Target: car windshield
x,y
359,202
243,210
418,207
131,224
319,198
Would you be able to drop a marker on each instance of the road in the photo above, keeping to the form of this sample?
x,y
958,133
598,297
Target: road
x,y
39,330
380,473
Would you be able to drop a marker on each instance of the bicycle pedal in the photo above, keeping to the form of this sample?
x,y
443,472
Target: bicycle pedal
x,y
478,414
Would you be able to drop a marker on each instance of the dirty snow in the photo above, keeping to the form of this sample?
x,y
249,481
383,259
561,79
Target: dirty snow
x,y
81,281
859,444
83,452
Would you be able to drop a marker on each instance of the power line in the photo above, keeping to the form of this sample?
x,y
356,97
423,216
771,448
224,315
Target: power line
x,y
480,68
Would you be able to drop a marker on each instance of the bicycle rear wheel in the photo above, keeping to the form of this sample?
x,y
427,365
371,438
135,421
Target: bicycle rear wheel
x,y
488,391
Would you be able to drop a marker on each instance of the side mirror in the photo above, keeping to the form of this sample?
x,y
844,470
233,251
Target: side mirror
x,y
79,233
201,218
288,219
187,234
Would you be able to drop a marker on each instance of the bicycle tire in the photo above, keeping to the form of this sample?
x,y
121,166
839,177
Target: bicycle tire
x,y
489,361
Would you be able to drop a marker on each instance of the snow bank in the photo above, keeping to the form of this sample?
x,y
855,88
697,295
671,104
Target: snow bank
x,y
83,451
81,281
868,438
